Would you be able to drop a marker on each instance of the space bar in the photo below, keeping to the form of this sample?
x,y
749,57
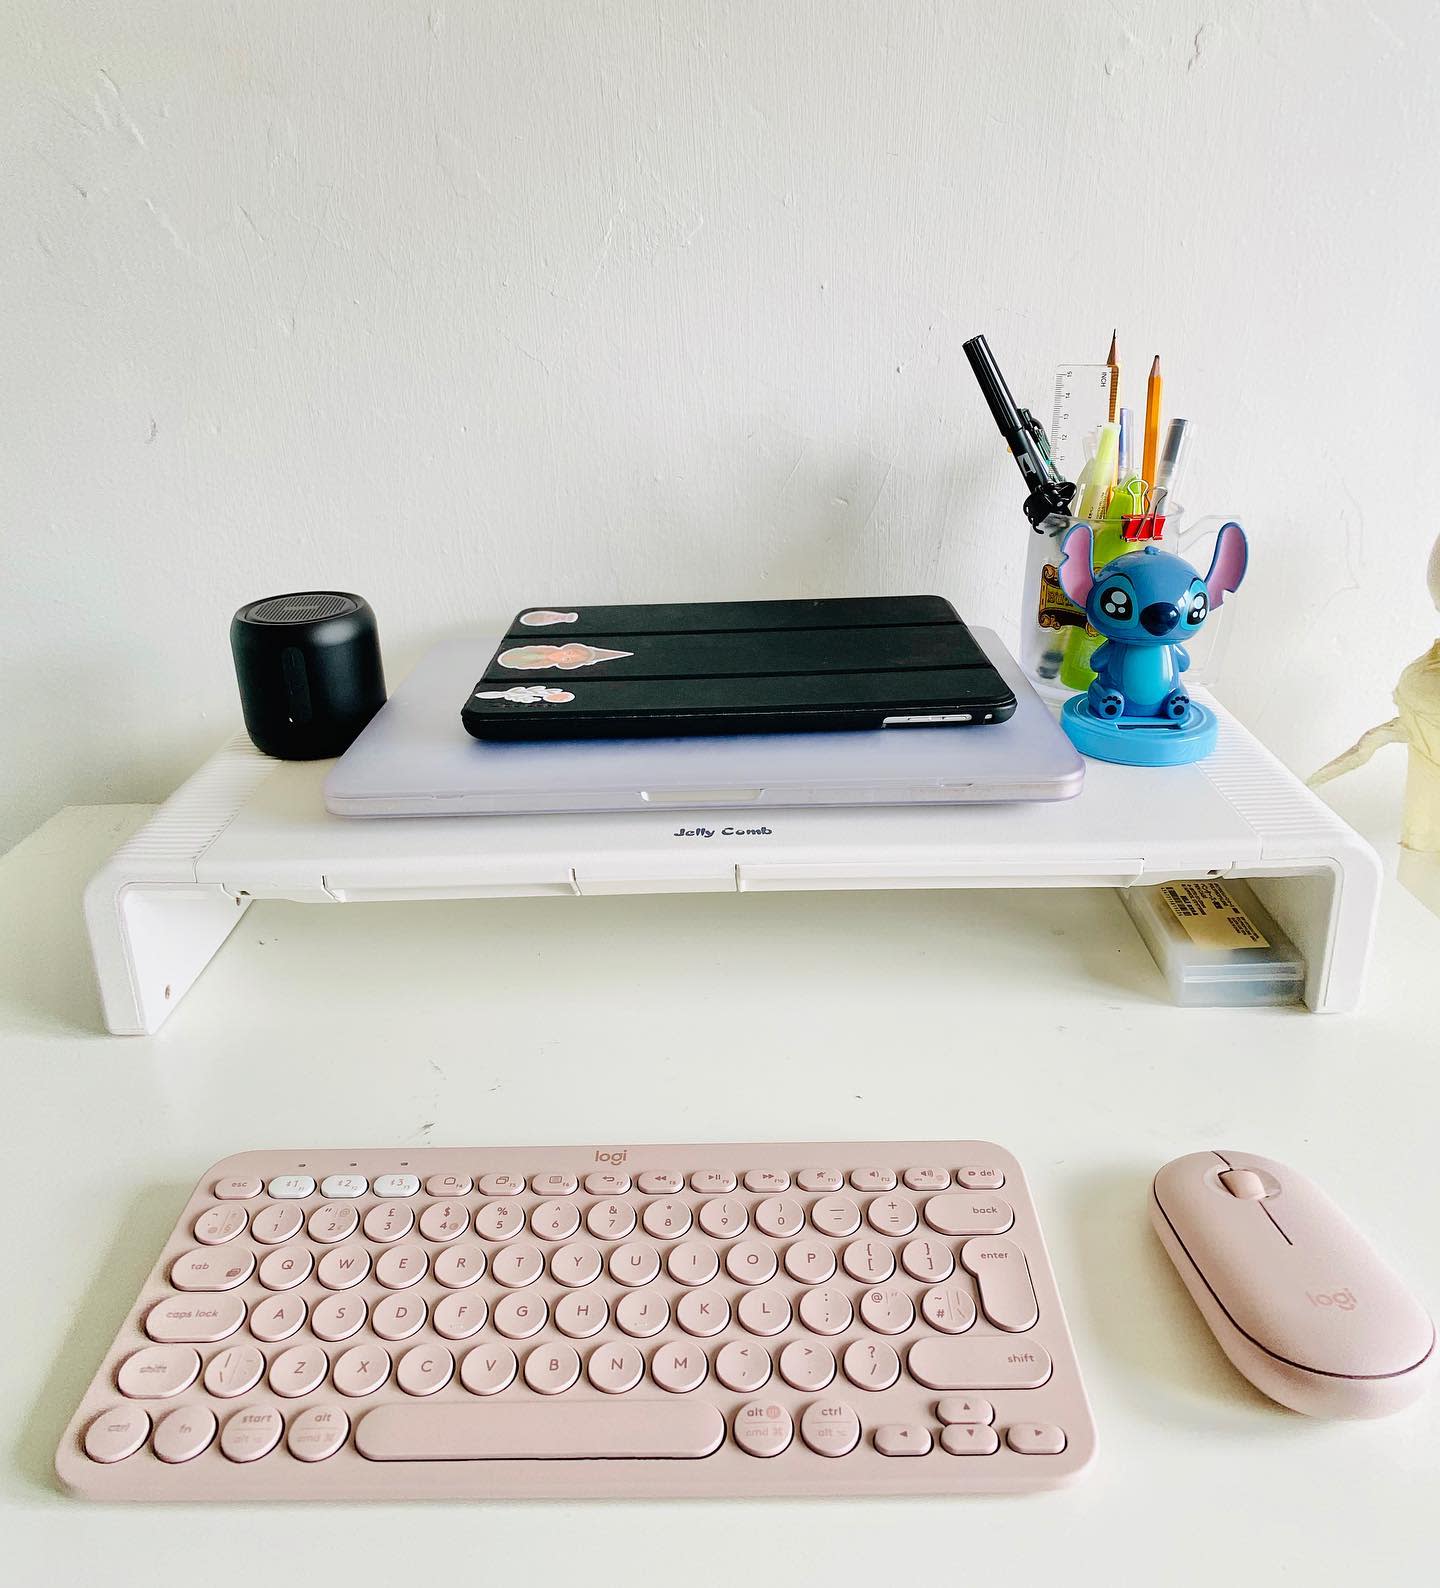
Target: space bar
x,y
542,1431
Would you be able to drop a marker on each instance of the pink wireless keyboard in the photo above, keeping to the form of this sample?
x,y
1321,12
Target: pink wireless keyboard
x,y
433,1323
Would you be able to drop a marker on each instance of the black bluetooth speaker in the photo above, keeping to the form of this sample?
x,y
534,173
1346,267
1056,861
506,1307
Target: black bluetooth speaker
x,y
309,672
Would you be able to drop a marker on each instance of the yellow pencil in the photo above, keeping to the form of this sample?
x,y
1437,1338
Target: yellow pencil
x,y
1114,364
1154,390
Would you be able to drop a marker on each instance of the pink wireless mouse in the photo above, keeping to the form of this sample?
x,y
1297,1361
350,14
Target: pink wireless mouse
x,y
1294,1293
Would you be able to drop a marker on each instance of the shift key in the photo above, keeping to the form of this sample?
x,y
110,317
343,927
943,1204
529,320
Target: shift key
x,y
978,1362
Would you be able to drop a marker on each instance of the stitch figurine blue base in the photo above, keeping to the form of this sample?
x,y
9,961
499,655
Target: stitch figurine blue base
x,y
1144,605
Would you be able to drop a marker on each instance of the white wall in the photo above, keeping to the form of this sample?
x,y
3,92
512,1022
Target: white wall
x,y
466,306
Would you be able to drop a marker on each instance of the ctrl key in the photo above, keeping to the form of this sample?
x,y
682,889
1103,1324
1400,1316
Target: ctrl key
x,y
117,1433
252,1432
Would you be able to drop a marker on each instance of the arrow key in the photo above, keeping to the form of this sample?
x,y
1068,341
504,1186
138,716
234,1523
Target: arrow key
x,y
969,1439
902,1439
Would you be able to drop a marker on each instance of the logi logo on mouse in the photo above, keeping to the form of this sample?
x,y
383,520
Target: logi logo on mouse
x,y
1343,1299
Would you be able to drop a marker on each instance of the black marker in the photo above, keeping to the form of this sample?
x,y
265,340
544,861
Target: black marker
x,y
1049,494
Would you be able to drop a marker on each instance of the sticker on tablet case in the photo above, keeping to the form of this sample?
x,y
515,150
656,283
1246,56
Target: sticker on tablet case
x,y
531,658
536,620
527,695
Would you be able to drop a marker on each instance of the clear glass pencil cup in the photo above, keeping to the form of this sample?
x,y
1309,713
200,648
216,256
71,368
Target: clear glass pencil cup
x,y
1055,642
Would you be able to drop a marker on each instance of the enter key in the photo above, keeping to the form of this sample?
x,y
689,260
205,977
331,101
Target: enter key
x,y
1007,1297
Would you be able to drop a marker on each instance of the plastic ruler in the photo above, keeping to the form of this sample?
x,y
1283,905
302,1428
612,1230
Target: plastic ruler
x,y
1082,404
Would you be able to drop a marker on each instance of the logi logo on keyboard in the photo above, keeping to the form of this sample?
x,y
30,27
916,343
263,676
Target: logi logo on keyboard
x,y
611,1154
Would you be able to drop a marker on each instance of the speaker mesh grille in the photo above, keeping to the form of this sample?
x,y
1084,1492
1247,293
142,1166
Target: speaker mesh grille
x,y
308,608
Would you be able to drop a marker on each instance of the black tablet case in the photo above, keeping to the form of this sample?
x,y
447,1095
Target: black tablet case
x,y
734,667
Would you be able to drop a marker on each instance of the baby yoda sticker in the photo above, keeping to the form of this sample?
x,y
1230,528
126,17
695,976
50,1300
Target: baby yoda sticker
x,y
527,695
532,658
538,620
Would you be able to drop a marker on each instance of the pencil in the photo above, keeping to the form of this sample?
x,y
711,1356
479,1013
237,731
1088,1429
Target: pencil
x,y
1114,364
1153,393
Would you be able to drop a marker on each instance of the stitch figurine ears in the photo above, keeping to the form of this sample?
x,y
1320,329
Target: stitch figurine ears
x,y
1077,572
1227,567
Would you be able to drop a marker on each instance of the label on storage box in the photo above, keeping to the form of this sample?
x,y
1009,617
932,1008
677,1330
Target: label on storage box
x,y
1211,917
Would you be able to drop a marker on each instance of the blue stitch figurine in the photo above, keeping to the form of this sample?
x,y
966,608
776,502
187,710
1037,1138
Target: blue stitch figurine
x,y
1144,605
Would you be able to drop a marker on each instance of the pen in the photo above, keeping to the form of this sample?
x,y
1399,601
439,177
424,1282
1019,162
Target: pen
x,y
1113,361
1174,457
1154,391
1049,494
1127,443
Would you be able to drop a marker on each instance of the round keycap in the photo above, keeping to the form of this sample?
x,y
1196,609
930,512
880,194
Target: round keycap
x,y
607,1183
183,1434
238,1187
499,1221
642,1316
457,1316
927,1259
873,1179
277,1317
633,1263
679,1366
580,1314
826,1310
234,1372
806,1367
702,1312
298,1371
552,1369
194,1320
667,1220
117,1433
767,1181
779,1217
764,1312
517,1316
949,1308
891,1215
344,1185
723,1217
205,1269
660,1182
459,1266
361,1370
396,1185
331,1222
449,1185
751,1263
285,1268
763,1428
157,1372
712,1182
980,1179
830,1428
343,1266
399,1267
810,1262
835,1216
389,1221
742,1367
251,1432
692,1263
337,1317
424,1369
554,1220
559,1183
610,1220
292,1186
514,1267
871,1364
926,1179
317,1433
488,1368
443,1221
575,1264
500,1185
615,1367
887,1310
398,1315
868,1261
820,1180
276,1223
219,1224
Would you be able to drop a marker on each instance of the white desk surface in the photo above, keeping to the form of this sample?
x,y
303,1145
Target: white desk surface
x,y
1034,1019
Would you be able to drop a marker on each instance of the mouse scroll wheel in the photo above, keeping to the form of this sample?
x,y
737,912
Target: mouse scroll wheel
x,y
1243,1183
